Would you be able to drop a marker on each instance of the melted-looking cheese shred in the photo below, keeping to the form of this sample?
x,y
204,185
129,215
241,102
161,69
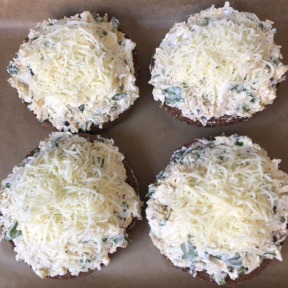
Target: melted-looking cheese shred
x,y
220,62
219,206
71,203
76,72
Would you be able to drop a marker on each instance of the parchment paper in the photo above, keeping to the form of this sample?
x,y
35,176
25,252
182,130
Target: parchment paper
x,y
147,136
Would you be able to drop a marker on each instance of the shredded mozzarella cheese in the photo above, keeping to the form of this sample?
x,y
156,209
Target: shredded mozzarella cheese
x,y
220,62
76,72
71,203
217,200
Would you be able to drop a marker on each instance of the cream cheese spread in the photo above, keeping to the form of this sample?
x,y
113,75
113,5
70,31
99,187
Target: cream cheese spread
x,y
67,206
219,62
76,72
219,206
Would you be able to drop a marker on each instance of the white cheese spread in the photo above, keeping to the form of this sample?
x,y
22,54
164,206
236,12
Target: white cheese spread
x,y
76,72
219,62
67,206
219,206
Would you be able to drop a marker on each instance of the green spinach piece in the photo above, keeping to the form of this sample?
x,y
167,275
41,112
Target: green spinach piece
x,y
241,271
124,206
235,261
100,161
97,17
172,95
150,193
30,70
269,253
238,88
13,69
189,254
12,232
160,175
99,139
206,21
119,96
81,108
238,143
118,239
115,24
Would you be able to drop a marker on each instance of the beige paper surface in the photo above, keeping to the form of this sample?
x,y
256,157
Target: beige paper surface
x,y
147,135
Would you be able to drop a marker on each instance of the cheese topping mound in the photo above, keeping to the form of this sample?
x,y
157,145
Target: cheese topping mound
x,y
67,206
219,206
76,72
220,62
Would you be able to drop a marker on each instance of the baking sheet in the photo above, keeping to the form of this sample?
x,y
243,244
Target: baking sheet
x,y
147,135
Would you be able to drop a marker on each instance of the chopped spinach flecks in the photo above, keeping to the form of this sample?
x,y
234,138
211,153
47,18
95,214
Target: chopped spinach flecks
x,y
150,193
104,33
269,254
251,19
206,21
178,155
115,23
81,108
241,271
219,257
100,162
124,206
235,261
119,216
253,100
13,69
237,141
34,38
30,70
97,17
189,254
274,209
261,26
8,185
238,88
118,239
99,139
121,87
12,232
104,239
172,95
282,219
160,175
56,142
85,261
245,108
119,96
221,157
157,75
